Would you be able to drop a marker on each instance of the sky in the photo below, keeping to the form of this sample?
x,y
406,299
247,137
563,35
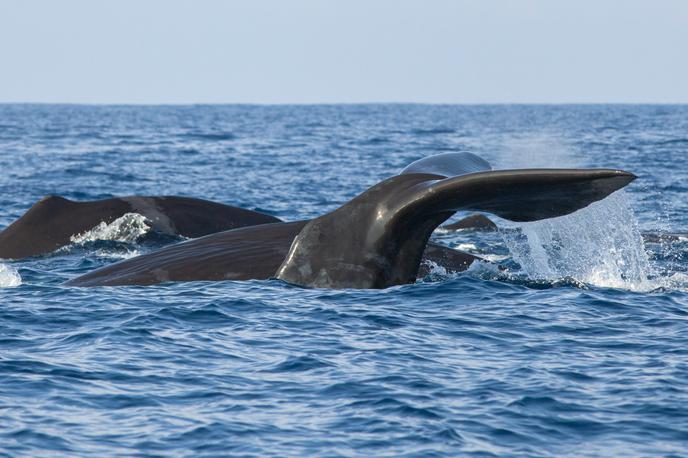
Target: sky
x,y
346,51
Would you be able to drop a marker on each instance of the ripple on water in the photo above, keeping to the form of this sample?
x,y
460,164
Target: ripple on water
x,y
566,354
9,276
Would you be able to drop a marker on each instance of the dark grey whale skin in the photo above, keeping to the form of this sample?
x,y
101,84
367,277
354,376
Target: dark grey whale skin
x,y
51,222
475,222
241,254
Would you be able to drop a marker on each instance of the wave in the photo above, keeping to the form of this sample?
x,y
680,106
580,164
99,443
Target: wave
x,y
216,136
433,131
673,141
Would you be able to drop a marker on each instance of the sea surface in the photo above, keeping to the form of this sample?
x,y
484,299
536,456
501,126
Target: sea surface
x,y
570,340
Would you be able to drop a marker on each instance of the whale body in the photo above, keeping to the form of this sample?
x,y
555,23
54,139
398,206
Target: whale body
x,y
51,222
379,238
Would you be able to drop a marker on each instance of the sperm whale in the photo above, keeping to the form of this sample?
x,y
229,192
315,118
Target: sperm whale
x,y
379,238
51,222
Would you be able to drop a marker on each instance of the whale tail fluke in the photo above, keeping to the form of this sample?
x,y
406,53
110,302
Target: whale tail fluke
x,y
377,239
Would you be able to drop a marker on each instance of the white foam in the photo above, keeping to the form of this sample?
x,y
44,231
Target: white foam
x,y
435,269
483,269
113,254
9,276
678,281
473,249
127,228
599,245
493,258
466,247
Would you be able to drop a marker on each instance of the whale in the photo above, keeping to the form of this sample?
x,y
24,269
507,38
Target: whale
x,y
52,222
378,239
475,222
250,253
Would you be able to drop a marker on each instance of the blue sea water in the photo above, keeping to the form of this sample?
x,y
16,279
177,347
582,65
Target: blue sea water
x,y
576,346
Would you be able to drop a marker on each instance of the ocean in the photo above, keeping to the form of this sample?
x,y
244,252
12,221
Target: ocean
x,y
570,340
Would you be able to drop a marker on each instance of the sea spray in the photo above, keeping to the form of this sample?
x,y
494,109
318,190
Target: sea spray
x,y
127,228
599,245
9,276
537,150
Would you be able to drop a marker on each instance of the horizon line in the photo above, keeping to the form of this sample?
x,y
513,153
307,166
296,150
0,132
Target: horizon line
x,y
151,104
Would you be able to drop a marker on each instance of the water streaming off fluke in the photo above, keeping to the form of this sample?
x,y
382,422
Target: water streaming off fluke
x,y
599,245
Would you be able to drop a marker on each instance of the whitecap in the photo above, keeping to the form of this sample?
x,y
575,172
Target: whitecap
x,y
115,254
484,269
127,228
471,248
434,269
466,247
678,281
9,276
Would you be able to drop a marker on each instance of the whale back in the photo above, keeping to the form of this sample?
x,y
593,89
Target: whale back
x,y
191,217
51,222
253,252
247,253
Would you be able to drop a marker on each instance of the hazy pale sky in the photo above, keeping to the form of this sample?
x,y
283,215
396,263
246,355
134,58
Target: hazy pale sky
x,y
326,51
